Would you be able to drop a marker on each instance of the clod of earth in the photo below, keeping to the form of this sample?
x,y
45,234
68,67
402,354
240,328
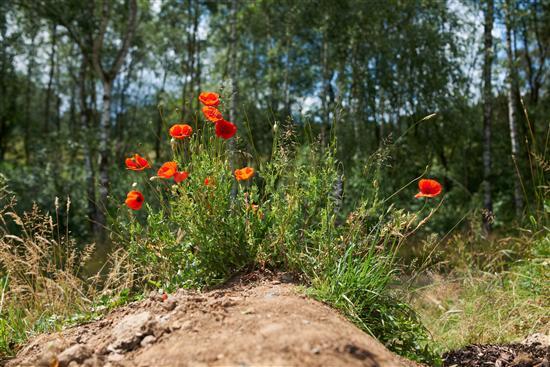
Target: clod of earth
x,y
216,328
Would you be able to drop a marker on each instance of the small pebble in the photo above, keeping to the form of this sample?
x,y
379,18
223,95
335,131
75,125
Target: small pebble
x,y
148,340
169,304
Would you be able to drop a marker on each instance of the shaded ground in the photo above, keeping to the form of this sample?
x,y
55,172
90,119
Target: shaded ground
x,y
257,322
532,354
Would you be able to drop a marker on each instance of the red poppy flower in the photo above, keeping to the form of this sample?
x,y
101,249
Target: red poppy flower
x,y
134,200
180,176
168,170
207,181
181,131
212,114
137,163
209,99
225,129
244,174
428,188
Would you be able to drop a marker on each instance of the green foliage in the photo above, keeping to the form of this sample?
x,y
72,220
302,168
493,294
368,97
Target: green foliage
x,y
288,217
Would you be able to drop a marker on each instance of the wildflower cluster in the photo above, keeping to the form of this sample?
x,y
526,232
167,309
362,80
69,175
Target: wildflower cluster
x,y
215,220
179,132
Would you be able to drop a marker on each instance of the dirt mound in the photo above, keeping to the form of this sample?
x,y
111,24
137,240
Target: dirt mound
x,y
263,322
528,354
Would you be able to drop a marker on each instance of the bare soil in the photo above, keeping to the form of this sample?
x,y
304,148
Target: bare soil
x,y
264,321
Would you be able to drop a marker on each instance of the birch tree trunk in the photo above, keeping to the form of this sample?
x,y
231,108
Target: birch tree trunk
x,y
326,85
47,103
104,157
487,115
233,67
28,95
160,105
88,163
233,75
107,77
512,110
287,40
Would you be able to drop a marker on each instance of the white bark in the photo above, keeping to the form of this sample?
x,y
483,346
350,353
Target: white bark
x,y
512,112
107,78
487,115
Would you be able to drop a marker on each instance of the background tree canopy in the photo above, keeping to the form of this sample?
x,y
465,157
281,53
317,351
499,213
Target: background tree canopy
x,y
82,83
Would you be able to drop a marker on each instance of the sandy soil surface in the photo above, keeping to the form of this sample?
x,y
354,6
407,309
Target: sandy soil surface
x,y
251,322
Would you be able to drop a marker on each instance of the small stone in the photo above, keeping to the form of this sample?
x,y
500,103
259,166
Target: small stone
x,y
537,338
169,304
115,357
77,353
49,355
46,360
227,303
148,340
130,330
163,319
316,350
94,361
186,325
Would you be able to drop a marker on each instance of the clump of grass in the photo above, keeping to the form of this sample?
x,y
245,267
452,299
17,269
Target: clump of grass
x,y
42,280
288,217
491,303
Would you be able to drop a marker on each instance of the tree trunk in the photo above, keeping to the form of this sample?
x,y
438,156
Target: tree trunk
x,y
50,80
233,75
197,52
326,74
233,69
107,77
487,116
187,68
194,76
104,158
512,111
355,90
160,97
288,40
28,96
88,163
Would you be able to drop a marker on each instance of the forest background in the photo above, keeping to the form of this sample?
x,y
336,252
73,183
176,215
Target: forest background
x,y
82,84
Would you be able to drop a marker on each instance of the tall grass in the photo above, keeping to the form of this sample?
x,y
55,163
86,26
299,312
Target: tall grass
x,y
491,302
42,279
